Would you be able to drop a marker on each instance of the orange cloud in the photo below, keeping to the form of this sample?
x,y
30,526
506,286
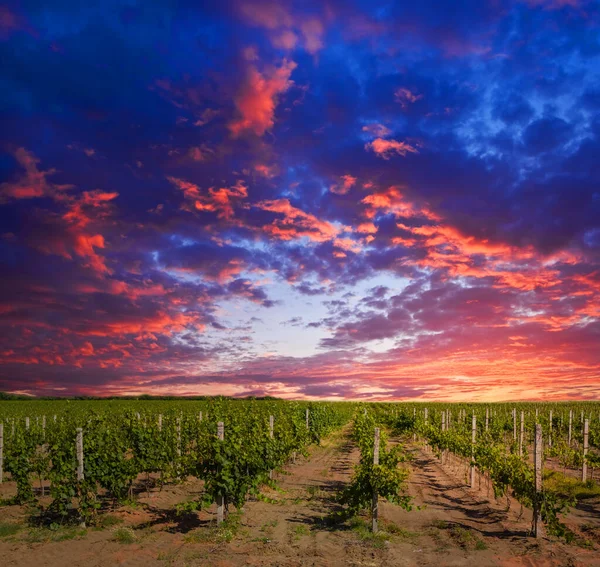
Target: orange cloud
x,y
347,182
220,201
296,223
385,148
258,96
392,200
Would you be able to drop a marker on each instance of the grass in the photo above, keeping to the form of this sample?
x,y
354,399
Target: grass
x,y
107,521
298,531
9,528
362,529
54,533
463,537
224,533
124,535
570,487
268,526
396,530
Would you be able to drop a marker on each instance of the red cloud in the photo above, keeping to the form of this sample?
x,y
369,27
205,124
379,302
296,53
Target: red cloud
x,y
220,200
74,235
32,183
296,223
384,148
257,98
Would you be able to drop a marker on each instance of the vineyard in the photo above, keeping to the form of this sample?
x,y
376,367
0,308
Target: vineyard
x,y
289,483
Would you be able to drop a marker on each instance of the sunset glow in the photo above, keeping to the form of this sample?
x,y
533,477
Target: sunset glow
x,y
333,200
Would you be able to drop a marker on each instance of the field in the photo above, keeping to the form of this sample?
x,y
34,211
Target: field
x,y
268,482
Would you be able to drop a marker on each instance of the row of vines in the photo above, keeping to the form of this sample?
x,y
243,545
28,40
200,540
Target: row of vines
x,y
122,447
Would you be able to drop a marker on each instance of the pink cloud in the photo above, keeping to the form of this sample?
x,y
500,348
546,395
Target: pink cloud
x,y
405,97
346,183
269,15
385,148
312,30
257,98
377,130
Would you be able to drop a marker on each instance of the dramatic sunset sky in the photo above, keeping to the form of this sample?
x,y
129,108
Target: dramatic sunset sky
x,y
345,199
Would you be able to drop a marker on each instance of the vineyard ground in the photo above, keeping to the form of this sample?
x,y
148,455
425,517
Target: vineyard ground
x,y
456,526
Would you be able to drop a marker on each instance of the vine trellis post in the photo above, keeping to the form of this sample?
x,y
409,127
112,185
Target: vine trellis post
x,y
271,433
538,526
586,434
473,436
1,451
375,504
220,499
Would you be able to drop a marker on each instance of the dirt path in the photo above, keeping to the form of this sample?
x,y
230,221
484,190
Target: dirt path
x,y
464,526
455,527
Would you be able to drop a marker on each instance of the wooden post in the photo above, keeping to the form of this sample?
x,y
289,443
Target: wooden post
x,y
220,506
514,424
414,422
522,433
307,414
473,435
27,423
271,432
80,474
199,416
550,431
179,437
538,526
443,421
1,451
487,418
426,417
44,426
375,506
586,434
570,425
160,421
79,447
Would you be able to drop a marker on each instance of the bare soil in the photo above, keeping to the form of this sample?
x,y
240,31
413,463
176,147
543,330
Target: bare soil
x,y
455,526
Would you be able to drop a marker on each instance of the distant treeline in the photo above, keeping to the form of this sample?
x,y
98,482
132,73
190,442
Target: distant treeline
x,y
9,396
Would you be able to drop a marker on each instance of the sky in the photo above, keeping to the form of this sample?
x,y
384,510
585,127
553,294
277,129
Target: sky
x,y
342,199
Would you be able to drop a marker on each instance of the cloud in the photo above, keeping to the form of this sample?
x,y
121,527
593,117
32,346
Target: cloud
x,y
385,148
32,183
405,97
294,223
220,201
346,183
257,98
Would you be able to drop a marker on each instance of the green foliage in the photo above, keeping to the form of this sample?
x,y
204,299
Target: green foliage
x,y
385,479
122,441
